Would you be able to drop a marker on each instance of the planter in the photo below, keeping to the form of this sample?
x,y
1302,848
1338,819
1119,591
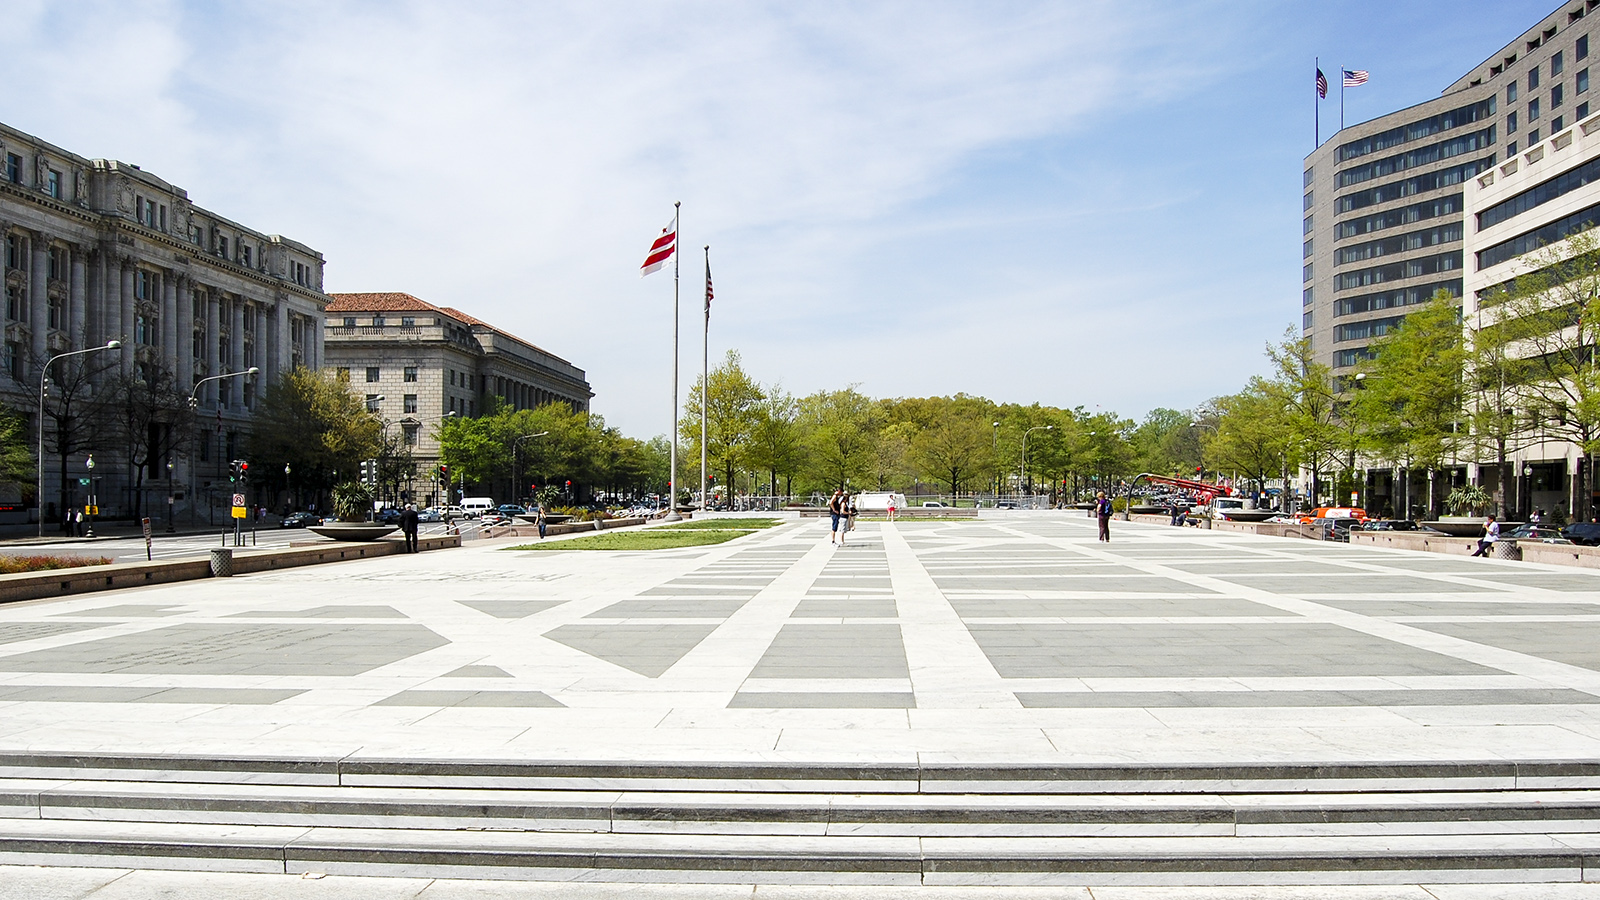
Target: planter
x,y
1459,526
353,531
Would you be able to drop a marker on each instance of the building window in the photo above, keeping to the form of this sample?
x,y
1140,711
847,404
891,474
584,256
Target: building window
x,y
13,359
14,304
13,252
1511,93
372,374
146,330
411,403
245,249
57,314
1306,319
1556,97
1305,202
13,168
1511,122
1308,273
411,373
1533,110
452,377
1583,110
1307,253
141,285
379,321
1533,78
57,263
1511,148
1557,124
1581,81
1305,178
408,321
1556,64
199,343
1307,225
1305,300
349,321
1581,51
52,185
410,432
1533,137
222,247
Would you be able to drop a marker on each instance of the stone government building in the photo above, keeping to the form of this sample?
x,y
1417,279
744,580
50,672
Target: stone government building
x,y
427,361
96,250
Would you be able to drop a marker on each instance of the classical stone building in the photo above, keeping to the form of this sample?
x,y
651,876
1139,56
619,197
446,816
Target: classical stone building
x,y
427,362
99,250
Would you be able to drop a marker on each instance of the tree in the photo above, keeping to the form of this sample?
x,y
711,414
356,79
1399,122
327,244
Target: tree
x,y
154,423
778,442
1304,389
76,409
313,422
842,432
1166,442
1410,402
957,447
1251,433
1548,318
733,413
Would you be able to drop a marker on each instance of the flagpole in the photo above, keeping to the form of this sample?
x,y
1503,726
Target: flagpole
x,y
672,479
1316,102
1341,98
705,378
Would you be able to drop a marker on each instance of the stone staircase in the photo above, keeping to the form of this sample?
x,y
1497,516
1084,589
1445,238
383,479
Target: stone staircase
x,y
744,822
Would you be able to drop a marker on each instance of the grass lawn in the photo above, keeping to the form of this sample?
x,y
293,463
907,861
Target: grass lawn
x,y
688,534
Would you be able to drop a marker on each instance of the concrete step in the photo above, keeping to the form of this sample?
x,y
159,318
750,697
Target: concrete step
x,y
640,812
791,858
772,777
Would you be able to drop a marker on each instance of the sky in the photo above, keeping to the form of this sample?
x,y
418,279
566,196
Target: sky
x,y
1075,203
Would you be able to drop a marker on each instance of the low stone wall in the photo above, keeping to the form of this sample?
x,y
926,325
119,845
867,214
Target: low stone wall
x,y
1425,541
1560,554
88,579
526,530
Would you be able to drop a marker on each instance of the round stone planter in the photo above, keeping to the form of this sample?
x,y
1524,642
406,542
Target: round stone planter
x,y
354,531
1459,526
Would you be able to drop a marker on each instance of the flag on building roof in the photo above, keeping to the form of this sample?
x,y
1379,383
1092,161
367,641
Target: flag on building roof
x,y
1322,85
661,251
1353,77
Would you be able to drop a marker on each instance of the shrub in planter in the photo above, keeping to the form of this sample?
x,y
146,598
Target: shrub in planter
x,y
352,501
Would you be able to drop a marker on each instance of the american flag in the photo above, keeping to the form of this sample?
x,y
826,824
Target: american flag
x,y
661,251
1353,77
709,295
1322,85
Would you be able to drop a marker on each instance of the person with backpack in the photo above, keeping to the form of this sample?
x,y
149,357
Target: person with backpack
x,y
1102,512
836,510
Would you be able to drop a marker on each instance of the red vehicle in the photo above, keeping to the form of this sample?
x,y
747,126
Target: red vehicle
x,y
1334,512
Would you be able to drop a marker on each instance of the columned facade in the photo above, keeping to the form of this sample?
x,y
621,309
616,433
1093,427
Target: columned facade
x,y
99,250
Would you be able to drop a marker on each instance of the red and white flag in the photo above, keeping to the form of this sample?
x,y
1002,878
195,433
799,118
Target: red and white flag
x,y
661,251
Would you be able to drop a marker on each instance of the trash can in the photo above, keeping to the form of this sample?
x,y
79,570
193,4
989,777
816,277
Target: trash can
x,y
1507,550
221,562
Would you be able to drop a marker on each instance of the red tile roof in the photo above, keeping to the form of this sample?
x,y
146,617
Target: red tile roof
x,y
393,301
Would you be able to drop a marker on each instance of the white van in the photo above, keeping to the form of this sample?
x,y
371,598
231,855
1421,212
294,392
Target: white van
x,y
879,500
473,507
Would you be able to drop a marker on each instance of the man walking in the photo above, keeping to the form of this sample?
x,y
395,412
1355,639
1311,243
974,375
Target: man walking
x,y
1102,511
408,527
836,510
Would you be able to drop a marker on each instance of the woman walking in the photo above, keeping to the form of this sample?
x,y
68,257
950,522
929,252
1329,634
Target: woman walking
x,y
1102,511
836,509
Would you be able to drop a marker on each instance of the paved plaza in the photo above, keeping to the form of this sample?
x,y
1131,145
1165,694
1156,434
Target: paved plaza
x,y
1017,637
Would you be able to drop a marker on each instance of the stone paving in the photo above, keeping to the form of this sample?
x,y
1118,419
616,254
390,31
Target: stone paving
x,y
1014,637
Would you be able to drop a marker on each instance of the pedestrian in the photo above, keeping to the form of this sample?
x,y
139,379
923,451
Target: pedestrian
x,y
541,521
1102,511
851,512
1537,517
891,507
77,521
1491,534
408,527
836,509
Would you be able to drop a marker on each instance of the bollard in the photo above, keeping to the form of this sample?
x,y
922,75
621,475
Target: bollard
x,y
221,562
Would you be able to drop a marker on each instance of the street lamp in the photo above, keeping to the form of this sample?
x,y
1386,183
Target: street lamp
x,y
44,380
516,486
94,499
994,451
1025,449
194,403
1200,453
170,499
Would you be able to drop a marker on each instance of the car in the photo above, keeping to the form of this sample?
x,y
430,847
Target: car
x,y
933,504
1333,512
512,509
1543,534
1007,504
300,520
1388,525
388,516
1584,533
428,515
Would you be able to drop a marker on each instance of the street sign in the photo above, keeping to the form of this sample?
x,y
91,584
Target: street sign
x,y
238,512
84,482
238,500
145,522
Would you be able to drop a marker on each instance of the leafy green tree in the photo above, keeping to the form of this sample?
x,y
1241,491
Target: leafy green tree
x,y
842,431
1167,443
777,445
1304,389
956,448
313,422
733,413
1251,435
1411,400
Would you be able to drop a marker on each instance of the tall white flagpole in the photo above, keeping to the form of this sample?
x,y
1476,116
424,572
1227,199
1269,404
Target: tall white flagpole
x,y
672,478
705,380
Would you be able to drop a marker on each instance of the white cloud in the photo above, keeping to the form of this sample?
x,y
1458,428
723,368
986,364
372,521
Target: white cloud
x,y
514,160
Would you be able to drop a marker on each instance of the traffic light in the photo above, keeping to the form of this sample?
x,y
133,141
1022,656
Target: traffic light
x,y
244,470
444,472
238,470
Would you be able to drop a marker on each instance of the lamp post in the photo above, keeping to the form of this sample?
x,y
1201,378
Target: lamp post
x,y
413,421
516,485
170,500
994,451
194,403
94,496
1025,449
1200,452
44,380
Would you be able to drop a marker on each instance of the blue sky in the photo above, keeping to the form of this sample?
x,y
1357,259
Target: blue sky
x,y
1076,203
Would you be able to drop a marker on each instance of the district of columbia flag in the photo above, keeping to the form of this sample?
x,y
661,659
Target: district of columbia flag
x,y
661,251
1322,85
1353,77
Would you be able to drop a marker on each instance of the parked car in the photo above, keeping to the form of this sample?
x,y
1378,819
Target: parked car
x,y
1337,528
430,514
934,504
1334,512
1388,525
512,509
388,516
1585,533
1542,534
1007,504
300,520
